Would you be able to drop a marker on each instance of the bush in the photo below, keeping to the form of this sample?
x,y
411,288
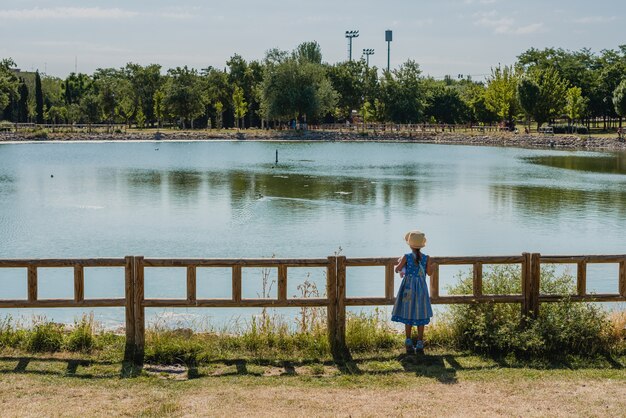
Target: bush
x,y
563,328
81,338
11,336
45,336
369,332
570,129
37,134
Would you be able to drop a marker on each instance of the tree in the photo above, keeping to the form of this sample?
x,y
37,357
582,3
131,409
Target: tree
x,y
219,109
501,93
528,94
309,52
90,108
445,105
38,98
295,88
8,84
183,94
140,118
239,104
551,100
22,104
158,108
619,100
402,93
575,104
145,82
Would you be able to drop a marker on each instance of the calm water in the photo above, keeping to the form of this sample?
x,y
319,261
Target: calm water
x,y
229,199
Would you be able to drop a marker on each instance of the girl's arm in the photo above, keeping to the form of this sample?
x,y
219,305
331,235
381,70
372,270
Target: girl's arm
x,y
429,267
401,263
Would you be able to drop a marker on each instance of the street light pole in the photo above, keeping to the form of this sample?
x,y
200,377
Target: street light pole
x,y
351,34
388,38
367,53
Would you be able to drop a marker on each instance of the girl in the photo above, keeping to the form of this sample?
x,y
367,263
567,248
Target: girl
x,y
412,306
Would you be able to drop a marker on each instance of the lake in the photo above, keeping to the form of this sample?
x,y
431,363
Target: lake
x,y
230,199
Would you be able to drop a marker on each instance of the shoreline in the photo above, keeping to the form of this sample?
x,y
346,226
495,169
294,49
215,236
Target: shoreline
x,y
561,142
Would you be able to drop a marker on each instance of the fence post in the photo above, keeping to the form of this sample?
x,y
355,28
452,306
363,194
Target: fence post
x,y
340,340
526,268
331,309
140,320
535,279
129,300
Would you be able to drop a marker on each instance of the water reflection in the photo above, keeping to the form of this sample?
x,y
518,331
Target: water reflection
x,y
607,164
551,201
237,185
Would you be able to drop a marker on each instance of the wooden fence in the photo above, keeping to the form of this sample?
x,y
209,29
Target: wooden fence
x,y
336,301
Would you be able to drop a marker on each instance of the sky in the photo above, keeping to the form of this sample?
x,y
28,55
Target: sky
x,y
445,36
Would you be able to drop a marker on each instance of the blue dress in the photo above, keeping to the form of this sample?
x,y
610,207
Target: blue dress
x,y
412,305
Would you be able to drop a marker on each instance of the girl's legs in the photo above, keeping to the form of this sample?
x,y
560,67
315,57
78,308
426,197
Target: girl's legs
x,y
420,333
407,331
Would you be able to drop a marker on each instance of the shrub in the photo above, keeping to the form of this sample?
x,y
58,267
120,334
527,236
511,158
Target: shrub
x,y
570,129
45,336
366,332
561,328
11,336
81,338
37,134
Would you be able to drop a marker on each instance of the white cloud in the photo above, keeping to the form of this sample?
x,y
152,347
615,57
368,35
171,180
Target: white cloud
x,y
67,13
594,19
504,24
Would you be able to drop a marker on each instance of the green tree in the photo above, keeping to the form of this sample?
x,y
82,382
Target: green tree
x,y
240,105
22,103
575,104
140,118
183,95
551,101
309,52
528,93
445,104
501,93
90,108
402,93
145,82
296,88
619,100
158,107
219,111
38,98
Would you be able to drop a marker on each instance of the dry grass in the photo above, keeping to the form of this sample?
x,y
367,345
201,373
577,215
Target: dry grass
x,y
389,384
28,396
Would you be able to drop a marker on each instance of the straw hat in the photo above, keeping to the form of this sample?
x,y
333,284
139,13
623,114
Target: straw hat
x,y
415,239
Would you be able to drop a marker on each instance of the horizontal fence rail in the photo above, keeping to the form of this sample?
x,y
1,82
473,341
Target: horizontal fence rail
x,y
335,301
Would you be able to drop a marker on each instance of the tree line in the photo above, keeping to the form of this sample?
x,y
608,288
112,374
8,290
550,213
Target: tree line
x,y
543,85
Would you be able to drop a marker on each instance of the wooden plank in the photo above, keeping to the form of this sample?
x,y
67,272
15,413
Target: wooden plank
x,y
229,262
236,283
129,308
442,300
450,261
434,281
389,279
370,261
32,283
593,297
140,318
331,309
282,283
191,283
54,262
62,303
573,259
79,283
581,279
229,303
477,279
622,277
